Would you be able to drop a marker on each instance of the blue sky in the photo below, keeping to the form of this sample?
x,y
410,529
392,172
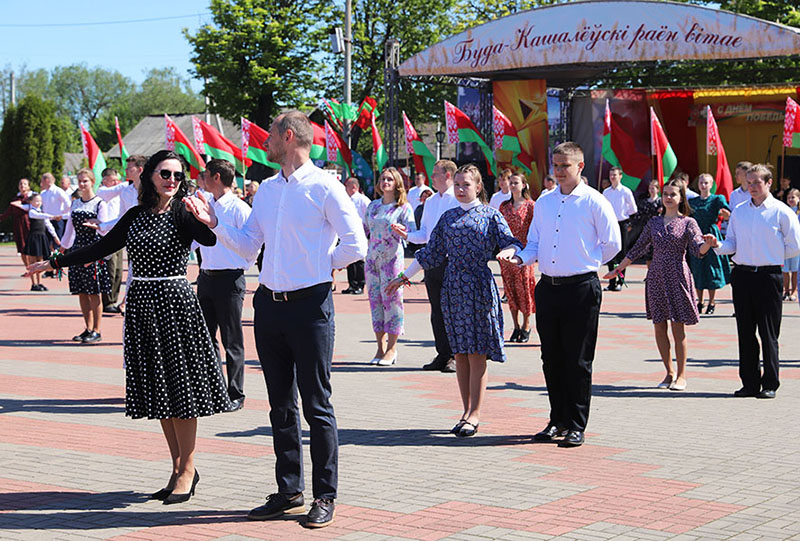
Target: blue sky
x,y
44,34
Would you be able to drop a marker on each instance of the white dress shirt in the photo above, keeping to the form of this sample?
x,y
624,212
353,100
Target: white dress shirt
x,y
762,235
56,202
545,192
622,201
233,212
435,206
361,202
572,234
127,193
414,195
498,198
738,196
298,220
691,194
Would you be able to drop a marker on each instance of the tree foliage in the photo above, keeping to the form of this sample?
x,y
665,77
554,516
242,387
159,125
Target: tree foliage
x,y
260,55
32,142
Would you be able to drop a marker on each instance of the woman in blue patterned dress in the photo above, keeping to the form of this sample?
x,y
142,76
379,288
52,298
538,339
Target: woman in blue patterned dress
x,y
712,272
385,260
465,237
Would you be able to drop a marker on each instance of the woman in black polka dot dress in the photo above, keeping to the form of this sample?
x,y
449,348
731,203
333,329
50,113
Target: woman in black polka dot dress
x,y
172,373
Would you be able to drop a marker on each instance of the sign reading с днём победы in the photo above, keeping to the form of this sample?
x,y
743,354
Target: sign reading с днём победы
x,y
601,32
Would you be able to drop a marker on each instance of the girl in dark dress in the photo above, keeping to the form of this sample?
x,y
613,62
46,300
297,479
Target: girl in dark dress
x,y
19,218
465,237
37,245
172,372
669,289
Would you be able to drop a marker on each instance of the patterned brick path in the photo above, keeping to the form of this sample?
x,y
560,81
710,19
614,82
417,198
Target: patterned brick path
x,y
697,464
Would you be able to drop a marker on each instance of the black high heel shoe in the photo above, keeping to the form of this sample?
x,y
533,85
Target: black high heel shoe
x,y
181,498
164,492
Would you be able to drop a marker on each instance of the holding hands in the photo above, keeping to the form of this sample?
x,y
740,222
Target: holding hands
x,y
200,208
39,266
709,241
509,255
400,230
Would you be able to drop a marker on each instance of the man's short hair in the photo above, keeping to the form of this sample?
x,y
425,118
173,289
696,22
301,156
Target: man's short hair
x,y
761,171
352,180
110,171
448,165
136,159
615,168
744,166
681,175
300,125
225,170
569,148
50,176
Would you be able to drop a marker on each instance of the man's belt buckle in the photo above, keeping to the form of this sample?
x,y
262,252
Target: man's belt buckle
x,y
556,281
280,296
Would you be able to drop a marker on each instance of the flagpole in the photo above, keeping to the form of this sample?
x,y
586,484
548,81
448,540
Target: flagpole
x,y
783,161
600,171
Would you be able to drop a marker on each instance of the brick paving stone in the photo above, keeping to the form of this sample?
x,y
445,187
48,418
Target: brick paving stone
x,y
657,464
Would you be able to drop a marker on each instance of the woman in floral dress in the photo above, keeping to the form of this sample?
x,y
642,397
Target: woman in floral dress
x,y
519,281
385,260
669,289
465,237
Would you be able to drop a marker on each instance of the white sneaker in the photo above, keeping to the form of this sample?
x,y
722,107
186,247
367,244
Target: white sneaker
x,y
387,362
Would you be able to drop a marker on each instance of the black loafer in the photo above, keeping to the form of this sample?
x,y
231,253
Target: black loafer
x,y
514,336
551,431
237,404
347,291
745,393
710,309
766,393
357,291
436,364
574,438
321,513
92,337
278,505
80,337
524,336
112,309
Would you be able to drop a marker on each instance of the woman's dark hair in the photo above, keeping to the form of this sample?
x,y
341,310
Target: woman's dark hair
x,y
148,196
526,194
683,206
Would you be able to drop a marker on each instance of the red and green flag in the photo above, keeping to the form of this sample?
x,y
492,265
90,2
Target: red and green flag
x,y
379,152
791,124
423,159
212,143
506,138
723,181
123,152
666,161
338,151
336,113
367,113
460,129
179,143
618,145
254,143
319,150
92,153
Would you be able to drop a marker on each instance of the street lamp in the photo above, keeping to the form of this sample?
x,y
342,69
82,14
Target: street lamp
x,y
439,141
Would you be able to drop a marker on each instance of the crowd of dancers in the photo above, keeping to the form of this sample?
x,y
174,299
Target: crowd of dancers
x,y
310,225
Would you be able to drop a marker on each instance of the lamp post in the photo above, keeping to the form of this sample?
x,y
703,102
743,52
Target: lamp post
x,y
439,140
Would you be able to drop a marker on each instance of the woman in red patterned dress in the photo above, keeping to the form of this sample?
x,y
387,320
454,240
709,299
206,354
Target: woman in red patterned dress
x,y
519,281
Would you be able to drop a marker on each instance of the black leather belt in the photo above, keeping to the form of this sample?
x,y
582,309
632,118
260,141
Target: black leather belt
x,y
297,294
769,269
212,272
567,280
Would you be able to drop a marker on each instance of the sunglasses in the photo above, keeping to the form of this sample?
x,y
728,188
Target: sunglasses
x,y
180,176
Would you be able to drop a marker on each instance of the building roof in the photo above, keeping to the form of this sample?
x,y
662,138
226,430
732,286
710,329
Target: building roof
x,y
148,136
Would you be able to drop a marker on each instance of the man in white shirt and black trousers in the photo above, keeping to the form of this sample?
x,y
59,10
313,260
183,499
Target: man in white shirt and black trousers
x,y
298,215
355,270
624,205
574,230
221,284
436,205
762,232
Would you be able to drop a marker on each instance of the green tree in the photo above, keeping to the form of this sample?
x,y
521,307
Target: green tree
x,y
32,142
83,93
260,55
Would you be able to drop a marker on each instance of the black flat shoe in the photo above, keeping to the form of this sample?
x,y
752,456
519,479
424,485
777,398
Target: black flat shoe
x,y
278,505
467,430
92,337
514,336
80,337
710,309
550,431
574,438
524,336
321,513
181,498
699,307
456,429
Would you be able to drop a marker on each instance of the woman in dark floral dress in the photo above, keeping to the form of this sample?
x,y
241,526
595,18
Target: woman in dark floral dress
x,y
669,290
518,280
465,237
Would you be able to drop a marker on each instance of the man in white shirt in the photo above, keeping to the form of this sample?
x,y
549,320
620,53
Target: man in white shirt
x,y
624,205
221,284
111,182
415,193
504,194
355,270
55,201
435,206
298,214
761,234
66,185
574,230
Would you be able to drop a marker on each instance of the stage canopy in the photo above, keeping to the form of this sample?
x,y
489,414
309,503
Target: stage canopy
x,y
571,43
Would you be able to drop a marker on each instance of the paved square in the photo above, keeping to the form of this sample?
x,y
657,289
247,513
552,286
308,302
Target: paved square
x,y
697,464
